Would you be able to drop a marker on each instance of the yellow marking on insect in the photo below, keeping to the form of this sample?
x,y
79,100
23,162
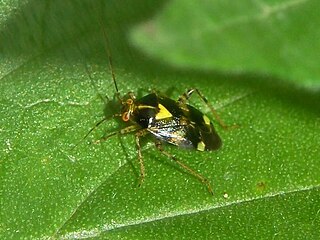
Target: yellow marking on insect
x,y
163,112
206,120
201,146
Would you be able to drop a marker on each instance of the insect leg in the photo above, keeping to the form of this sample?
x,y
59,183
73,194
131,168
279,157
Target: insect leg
x,y
139,133
190,170
94,127
185,97
129,129
97,125
140,158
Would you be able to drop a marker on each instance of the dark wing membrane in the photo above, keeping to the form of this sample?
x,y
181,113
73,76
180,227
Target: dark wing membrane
x,y
186,135
211,139
187,127
170,130
203,129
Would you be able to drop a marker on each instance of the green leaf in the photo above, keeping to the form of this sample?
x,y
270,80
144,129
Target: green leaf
x,y
265,177
278,38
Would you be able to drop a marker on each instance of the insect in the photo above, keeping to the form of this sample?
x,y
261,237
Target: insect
x,y
168,121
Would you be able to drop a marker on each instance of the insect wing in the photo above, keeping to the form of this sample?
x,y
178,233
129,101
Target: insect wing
x,y
201,131
187,135
171,131
183,126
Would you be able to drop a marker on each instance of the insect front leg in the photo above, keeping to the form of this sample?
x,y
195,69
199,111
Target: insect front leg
x,y
95,127
202,179
129,129
140,158
185,97
139,133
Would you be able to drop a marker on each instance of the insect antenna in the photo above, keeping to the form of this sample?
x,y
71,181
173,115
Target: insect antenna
x,y
104,99
90,131
108,52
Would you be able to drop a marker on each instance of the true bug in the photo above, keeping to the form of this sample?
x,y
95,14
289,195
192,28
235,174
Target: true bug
x,y
168,121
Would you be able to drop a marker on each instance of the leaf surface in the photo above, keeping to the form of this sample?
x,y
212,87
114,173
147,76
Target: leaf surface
x,y
54,75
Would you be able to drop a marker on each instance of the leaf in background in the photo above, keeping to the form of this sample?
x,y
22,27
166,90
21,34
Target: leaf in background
x,y
265,177
279,38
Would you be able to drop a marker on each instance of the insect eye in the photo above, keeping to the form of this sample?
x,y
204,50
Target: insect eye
x,y
129,101
125,116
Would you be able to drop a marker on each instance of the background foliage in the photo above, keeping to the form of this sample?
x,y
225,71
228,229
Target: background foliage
x,y
255,61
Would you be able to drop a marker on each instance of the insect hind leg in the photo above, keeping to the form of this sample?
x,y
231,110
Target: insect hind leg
x,y
201,178
138,135
185,97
